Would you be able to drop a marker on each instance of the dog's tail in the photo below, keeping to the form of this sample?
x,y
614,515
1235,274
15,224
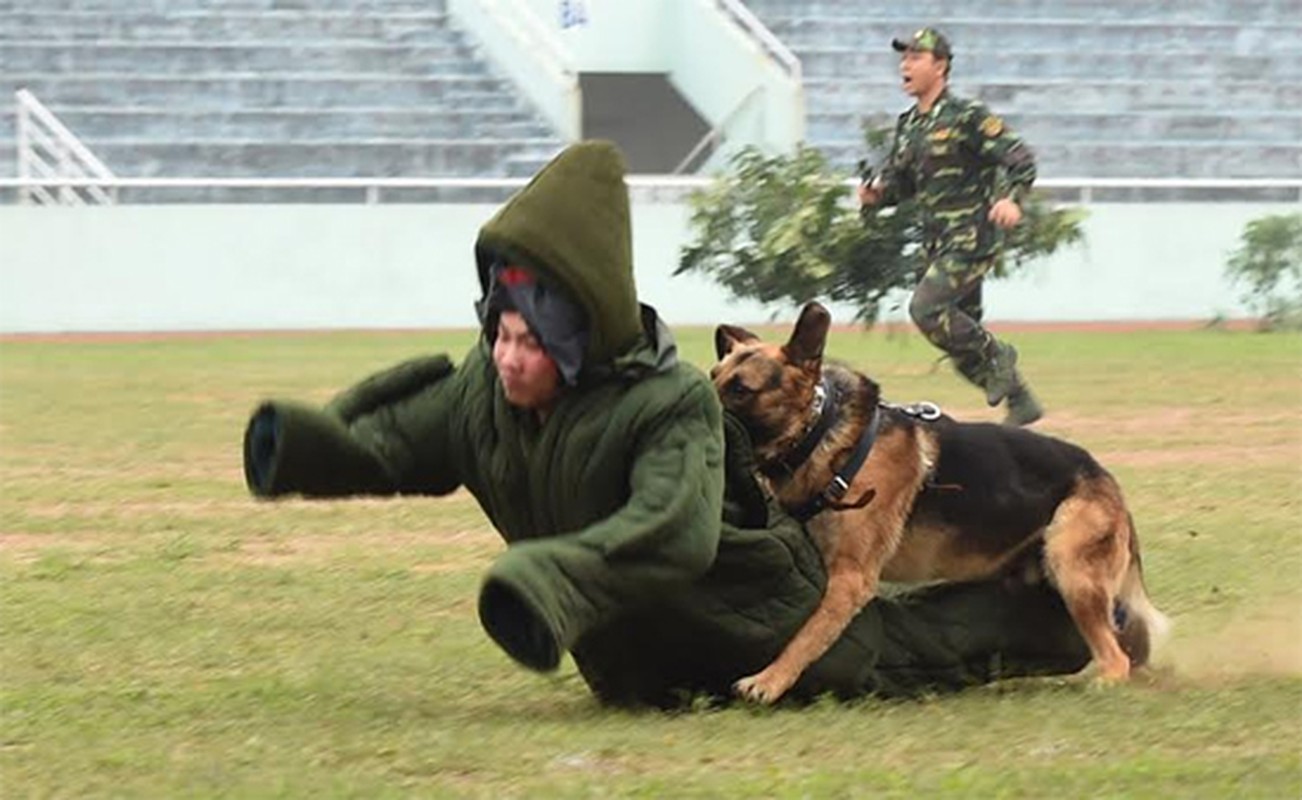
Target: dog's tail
x,y
1140,626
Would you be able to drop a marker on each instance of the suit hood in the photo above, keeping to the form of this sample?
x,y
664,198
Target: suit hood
x,y
571,225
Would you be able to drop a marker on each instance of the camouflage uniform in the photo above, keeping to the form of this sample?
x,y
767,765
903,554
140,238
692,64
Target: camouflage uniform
x,y
948,160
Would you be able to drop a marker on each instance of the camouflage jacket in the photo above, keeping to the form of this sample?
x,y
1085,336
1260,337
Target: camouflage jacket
x,y
948,160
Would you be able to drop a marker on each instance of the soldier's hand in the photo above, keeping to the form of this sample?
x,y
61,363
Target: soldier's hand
x,y
1005,213
869,195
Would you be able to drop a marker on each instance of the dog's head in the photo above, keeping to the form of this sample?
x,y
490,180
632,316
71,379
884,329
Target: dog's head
x,y
770,387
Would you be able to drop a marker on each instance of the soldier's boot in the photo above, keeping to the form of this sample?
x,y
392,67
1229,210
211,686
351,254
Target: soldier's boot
x,y
972,368
1023,408
1001,377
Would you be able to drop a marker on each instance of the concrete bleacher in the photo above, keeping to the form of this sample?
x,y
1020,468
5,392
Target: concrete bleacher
x,y
334,88
1100,88
255,88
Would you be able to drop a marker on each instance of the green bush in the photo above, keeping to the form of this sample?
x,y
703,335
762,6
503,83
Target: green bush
x,y
787,228
1268,263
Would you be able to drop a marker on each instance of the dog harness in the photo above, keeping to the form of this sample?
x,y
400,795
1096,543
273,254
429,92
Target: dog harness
x,y
826,404
832,496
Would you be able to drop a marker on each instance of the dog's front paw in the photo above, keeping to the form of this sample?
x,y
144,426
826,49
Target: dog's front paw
x,y
762,688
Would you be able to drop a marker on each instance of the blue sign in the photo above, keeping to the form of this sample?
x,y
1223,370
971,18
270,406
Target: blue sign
x,y
573,13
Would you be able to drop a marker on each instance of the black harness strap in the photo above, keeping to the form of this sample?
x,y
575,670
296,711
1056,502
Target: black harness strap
x,y
831,496
789,462
925,411
835,492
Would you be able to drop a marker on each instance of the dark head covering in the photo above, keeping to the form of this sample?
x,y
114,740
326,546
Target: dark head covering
x,y
570,226
557,321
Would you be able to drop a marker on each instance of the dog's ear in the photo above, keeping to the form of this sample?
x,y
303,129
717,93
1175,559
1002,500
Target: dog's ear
x,y
726,337
810,335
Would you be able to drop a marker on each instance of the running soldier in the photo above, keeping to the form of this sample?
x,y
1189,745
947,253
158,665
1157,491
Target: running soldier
x,y
947,155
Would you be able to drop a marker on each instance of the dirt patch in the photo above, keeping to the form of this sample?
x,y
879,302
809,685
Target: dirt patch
x,y
23,545
1266,643
1203,456
1167,420
459,549
28,548
1176,419
1085,326
894,327
468,548
132,337
135,509
1177,422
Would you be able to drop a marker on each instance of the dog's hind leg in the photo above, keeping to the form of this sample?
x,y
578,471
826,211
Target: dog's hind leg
x,y
1140,625
1087,552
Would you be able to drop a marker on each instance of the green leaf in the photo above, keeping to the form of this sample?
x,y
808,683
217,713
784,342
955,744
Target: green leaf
x,y
786,229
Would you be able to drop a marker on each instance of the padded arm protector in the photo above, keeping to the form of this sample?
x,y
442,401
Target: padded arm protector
x,y
294,448
291,448
389,387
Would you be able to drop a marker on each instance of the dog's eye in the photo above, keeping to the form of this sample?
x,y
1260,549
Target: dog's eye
x,y
738,389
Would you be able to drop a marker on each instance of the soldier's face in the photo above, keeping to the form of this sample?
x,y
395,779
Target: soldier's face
x,y
921,72
530,378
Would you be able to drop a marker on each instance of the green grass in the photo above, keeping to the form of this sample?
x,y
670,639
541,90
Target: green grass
x,y
164,635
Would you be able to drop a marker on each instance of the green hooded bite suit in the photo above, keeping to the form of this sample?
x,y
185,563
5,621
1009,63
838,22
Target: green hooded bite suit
x,y
638,538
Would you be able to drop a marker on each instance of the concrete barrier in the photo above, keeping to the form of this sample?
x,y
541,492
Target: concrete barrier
x,y
257,267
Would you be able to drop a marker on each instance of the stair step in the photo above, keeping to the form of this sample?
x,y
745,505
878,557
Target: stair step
x,y
1006,65
299,124
232,92
173,6
1029,94
417,158
182,58
969,34
232,26
1048,125
1092,11
1122,159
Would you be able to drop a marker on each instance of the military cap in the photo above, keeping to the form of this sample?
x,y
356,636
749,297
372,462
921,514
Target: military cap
x,y
927,40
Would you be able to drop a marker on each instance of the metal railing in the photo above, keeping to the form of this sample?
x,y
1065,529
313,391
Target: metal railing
x,y
53,163
760,33
714,137
1088,187
374,190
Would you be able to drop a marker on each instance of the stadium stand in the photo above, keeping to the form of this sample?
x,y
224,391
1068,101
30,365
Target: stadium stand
x,y
1100,88
336,88
287,88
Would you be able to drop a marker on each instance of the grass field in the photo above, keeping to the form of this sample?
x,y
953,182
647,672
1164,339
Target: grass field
x,y
164,635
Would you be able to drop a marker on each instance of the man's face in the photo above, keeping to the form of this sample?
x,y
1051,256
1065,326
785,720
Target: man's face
x,y
920,72
529,376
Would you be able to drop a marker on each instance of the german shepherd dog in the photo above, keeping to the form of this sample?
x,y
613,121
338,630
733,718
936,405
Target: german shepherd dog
x,y
910,495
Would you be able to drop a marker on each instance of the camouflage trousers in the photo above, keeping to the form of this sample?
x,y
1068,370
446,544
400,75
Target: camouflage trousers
x,y
946,307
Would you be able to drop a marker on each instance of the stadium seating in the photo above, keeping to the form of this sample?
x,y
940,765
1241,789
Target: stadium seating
x,y
294,88
1120,88
1101,88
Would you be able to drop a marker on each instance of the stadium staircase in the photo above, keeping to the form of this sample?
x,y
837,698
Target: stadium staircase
x,y
1100,88
286,88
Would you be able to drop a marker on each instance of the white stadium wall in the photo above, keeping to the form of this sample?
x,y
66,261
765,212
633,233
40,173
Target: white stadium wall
x,y
255,267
